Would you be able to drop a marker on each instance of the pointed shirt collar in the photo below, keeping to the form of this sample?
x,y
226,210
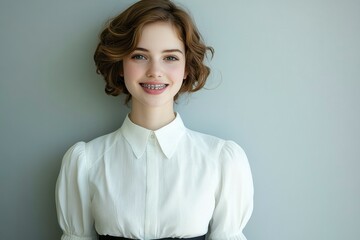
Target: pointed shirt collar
x,y
168,136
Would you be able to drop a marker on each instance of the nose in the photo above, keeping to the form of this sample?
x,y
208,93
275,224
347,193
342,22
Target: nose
x,y
154,70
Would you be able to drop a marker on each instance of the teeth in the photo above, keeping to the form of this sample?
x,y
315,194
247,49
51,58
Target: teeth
x,y
153,86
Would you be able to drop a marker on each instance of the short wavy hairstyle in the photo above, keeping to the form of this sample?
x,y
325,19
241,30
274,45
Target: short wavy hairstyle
x,y
121,36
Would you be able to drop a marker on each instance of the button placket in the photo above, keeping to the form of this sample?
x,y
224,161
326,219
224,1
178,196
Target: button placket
x,y
152,188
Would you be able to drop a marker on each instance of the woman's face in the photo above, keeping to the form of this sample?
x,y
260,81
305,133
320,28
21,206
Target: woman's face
x,y
155,70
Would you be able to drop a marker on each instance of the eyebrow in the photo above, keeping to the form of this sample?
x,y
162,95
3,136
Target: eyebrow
x,y
165,51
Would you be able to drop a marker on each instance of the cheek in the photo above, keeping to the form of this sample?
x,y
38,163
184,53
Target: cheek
x,y
177,72
131,70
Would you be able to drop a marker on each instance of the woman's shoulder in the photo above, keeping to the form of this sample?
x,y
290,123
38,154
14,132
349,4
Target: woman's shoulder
x,y
74,158
87,152
103,141
225,148
204,141
233,153
227,154
75,151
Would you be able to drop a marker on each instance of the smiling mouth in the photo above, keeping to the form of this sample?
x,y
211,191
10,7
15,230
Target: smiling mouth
x,y
154,86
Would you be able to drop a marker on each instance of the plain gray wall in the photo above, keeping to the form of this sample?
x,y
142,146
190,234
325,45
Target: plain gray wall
x,y
285,85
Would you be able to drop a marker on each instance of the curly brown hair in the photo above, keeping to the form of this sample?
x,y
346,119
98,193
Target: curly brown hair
x,y
121,35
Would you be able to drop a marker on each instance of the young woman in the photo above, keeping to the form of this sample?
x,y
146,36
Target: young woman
x,y
153,178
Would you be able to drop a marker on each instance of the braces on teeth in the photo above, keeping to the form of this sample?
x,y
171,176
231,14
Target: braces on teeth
x,y
154,86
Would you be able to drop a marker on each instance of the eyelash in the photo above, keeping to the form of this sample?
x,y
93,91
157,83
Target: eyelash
x,y
142,57
171,58
138,57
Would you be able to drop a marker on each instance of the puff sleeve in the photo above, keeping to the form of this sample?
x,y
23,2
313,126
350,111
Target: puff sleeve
x,y
73,197
234,197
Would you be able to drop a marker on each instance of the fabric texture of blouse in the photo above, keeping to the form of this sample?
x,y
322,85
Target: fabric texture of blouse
x,y
143,184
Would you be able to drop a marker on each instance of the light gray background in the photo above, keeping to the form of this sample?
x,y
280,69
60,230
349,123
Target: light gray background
x,y
285,86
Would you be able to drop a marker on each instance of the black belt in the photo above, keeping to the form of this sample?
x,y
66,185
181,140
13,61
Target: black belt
x,y
107,237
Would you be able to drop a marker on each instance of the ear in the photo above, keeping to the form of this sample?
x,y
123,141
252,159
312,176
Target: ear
x,y
121,70
185,75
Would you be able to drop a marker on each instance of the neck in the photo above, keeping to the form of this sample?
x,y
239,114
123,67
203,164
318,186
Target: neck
x,y
152,118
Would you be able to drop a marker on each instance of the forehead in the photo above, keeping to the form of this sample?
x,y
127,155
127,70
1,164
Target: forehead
x,y
160,36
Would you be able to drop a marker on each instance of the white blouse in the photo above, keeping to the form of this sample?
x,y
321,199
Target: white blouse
x,y
143,184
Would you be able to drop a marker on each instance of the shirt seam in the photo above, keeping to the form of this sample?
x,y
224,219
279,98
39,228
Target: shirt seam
x,y
220,172
88,186
115,135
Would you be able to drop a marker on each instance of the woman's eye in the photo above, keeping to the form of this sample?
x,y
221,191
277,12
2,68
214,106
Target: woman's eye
x,y
138,57
171,58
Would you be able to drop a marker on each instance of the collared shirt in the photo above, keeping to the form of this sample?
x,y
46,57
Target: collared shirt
x,y
143,184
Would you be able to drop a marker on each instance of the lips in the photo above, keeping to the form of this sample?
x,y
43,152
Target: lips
x,y
154,88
